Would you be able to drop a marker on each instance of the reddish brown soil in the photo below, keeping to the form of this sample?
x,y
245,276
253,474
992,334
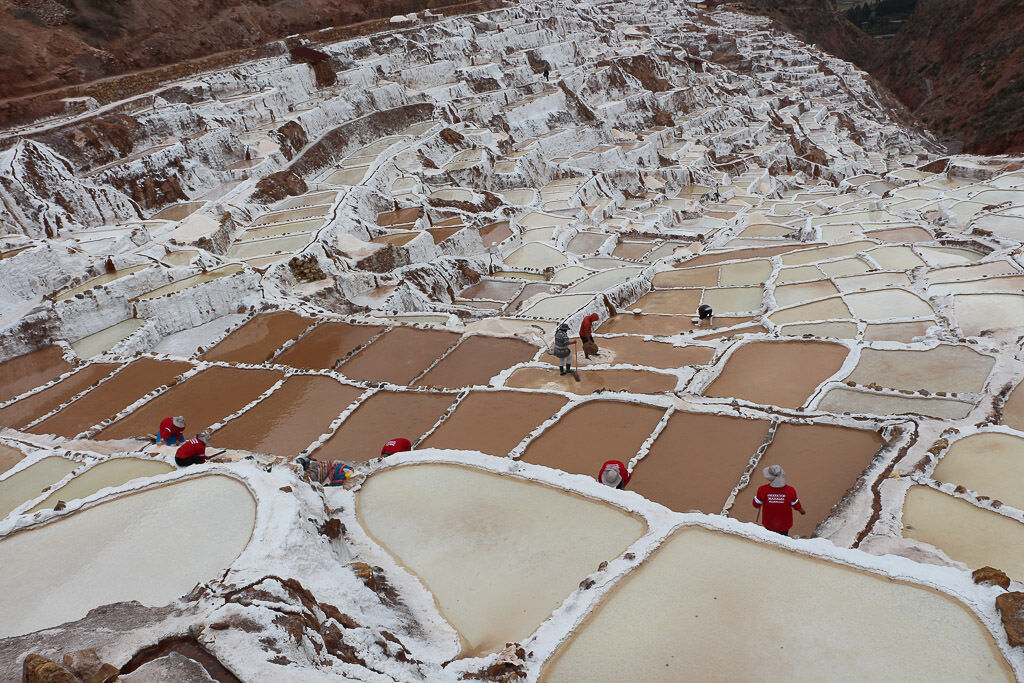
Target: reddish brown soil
x,y
821,461
476,360
494,422
697,460
20,374
202,400
399,356
593,433
591,381
326,345
384,416
19,414
670,301
637,351
495,232
126,387
743,254
777,373
257,340
290,419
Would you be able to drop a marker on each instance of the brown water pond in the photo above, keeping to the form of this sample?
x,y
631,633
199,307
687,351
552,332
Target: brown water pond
x,y
592,433
777,373
494,233
20,374
586,243
123,389
530,290
476,360
591,381
32,407
670,301
697,460
1013,409
257,340
897,235
637,351
899,332
202,400
494,422
500,290
632,250
399,355
821,461
9,457
290,419
736,254
327,344
384,416
399,217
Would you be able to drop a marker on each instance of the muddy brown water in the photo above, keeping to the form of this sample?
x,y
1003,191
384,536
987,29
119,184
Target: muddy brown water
x,y
495,232
476,360
20,374
754,252
592,433
398,356
257,340
384,416
399,217
492,289
591,381
1013,409
670,301
777,373
326,345
530,290
123,389
821,461
290,419
494,422
586,242
9,457
632,250
202,400
697,460
637,351
22,412
441,234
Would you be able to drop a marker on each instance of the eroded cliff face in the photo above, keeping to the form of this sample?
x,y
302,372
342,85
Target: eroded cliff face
x,y
958,66
47,44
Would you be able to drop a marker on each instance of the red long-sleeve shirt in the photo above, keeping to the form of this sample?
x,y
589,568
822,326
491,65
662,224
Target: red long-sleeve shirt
x,y
585,326
778,506
190,448
623,472
168,431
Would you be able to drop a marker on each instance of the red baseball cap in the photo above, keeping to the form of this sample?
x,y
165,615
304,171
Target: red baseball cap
x,y
396,446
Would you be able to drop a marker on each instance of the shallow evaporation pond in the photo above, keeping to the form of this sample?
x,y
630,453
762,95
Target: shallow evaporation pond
x,y
557,307
106,339
978,312
476,360
883,305
966,533
789,295
133,553
31,370
520,275
28,483
777,373
29,408
681,302
854,283
833,330
957,369
523,547
101,280
258,339
637,351
990,463
323,346
215,274
733,299
826,309
949,256
599,282
399,356
843,400
501,290
632,381
900,332
990,284
111,473
895,258
837,622
535,255
9,457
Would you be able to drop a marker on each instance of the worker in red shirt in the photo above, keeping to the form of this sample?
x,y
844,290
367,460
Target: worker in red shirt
x,y
396,446
193,451
172,430
587,333
778,501
613,473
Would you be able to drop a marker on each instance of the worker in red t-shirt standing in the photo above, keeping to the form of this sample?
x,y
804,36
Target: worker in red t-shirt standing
x,y
778,500
193,451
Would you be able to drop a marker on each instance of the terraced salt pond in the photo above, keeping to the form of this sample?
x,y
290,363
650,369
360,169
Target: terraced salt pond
x,y
990,463
133,553
110,473
105,339
684,606
531,545
29,482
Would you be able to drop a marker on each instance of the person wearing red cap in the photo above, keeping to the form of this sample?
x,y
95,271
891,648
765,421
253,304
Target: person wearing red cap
x,y
172,431
587,332
396,446
613,473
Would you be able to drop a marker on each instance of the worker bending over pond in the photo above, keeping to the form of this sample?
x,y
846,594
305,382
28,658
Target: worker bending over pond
x,y
193,451
704,312
587,335
326,472
778,500
172,431
613,473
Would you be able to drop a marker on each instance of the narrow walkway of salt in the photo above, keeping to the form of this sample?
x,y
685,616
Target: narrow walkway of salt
x,y
522,548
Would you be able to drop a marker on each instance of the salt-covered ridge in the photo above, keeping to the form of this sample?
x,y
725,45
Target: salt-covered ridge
x,y
309,268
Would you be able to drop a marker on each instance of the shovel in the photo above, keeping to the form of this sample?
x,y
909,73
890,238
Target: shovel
x,y
576,359
220,452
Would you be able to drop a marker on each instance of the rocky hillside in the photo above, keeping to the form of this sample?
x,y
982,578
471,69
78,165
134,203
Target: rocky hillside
x,y
959,66
46,44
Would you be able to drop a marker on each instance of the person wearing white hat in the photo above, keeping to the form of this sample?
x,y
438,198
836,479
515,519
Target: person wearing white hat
x,y
172,431
193,451
778,501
